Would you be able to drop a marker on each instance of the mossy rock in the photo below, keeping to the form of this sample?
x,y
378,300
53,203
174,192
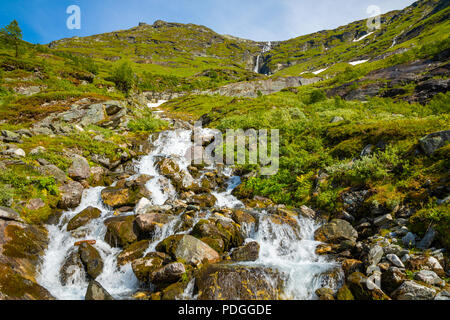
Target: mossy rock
x,y
344,293
91,259
133,252
83,218
14,286
236,282
357,283
174,292
144,267
226,231
121,231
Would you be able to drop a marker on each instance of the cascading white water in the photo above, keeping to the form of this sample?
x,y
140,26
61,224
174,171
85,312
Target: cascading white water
x,y
119,282
256,69
280,248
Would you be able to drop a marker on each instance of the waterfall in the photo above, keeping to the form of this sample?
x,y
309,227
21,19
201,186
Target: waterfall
x,y
266,48
256,69
281,248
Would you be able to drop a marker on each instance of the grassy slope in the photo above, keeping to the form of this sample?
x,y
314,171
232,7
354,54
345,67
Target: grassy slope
x,y
326,49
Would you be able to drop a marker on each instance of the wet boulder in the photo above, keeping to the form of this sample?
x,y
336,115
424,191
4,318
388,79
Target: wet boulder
x,y
143,268
325,294
83,218
168,167
95,291
204,200
237,282
91,260
149,223
189,249
79,170
248,252
126,193
133,252
121,231
167,274
72,269
335,232
71,194
220,229
21,245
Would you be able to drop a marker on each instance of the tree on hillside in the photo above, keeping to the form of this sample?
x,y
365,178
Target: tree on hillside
x,y
12,35
123,77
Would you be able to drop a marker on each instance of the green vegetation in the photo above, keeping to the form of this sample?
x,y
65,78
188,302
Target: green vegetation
x,y
11,35
123,77
146,123
311,143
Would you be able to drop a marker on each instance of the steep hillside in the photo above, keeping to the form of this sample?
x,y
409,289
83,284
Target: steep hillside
x,y
163,47
422,22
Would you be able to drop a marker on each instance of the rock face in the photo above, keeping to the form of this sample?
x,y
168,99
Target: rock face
x,y
235,282
434,141
189,249
95,291
251,89
71,194
335,232
83,218
411,290
20,248
121,231
79,170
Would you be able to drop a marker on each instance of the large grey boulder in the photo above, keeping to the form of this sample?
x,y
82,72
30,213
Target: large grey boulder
x,y
71,194
79,170
411,290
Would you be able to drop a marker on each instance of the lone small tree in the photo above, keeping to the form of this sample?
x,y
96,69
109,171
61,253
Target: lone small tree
x,y
123,77
12,35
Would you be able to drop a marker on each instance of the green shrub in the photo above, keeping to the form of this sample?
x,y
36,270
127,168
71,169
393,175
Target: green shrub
x,y
146,123
317,96
123,77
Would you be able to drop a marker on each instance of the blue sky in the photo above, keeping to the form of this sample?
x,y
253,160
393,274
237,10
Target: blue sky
x,y
45,20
